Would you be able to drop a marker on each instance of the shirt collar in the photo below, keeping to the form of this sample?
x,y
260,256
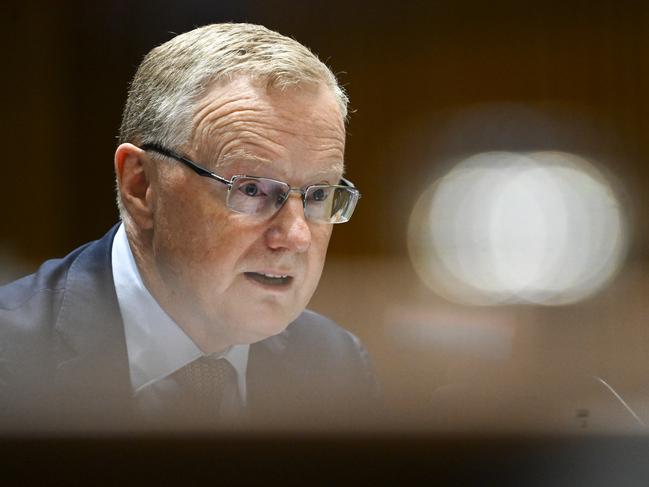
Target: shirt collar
x,y
156,345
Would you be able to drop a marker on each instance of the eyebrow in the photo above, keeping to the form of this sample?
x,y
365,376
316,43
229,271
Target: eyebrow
x,y
247,156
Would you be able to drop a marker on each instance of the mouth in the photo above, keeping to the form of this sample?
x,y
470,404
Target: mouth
x,y
269,279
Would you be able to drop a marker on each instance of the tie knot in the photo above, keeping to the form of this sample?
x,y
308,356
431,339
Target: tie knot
x,y
209,386
207,377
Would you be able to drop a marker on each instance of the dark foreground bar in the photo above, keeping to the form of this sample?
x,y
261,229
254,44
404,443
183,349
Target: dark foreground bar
x,y
378,459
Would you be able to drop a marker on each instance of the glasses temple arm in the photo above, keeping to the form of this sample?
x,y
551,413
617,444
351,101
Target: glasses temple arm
x,y
201,171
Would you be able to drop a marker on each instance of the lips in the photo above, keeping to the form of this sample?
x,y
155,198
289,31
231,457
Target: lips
x,y
269,279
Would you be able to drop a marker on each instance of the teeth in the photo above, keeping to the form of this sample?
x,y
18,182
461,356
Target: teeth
x,y
269,276
270,279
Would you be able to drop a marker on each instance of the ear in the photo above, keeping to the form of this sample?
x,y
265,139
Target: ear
x,y
134,182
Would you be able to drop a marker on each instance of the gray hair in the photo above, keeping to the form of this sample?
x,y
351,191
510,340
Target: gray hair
x,y
175,76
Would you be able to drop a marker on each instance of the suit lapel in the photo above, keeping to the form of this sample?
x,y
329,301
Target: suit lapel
x,y
283,388
93,361
267,363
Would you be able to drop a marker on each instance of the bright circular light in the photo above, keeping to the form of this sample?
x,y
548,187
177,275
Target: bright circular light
x,y
504,227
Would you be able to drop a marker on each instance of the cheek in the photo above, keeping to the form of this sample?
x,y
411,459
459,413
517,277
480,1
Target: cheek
x,y
318,250
321,234
187,230
204,248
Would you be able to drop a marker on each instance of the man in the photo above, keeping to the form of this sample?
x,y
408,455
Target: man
x,y
192,310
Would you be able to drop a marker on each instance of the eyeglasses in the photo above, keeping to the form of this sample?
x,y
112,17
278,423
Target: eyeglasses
x,y
263,197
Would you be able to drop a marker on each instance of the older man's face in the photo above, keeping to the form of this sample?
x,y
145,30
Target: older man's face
x,y
216,266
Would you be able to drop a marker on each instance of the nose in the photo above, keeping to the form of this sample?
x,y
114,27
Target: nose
x,y
288,227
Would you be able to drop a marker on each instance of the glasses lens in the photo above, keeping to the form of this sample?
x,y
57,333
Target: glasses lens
x,y
330,204
256,195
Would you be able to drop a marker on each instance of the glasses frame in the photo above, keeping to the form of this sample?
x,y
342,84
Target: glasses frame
x,y
201,171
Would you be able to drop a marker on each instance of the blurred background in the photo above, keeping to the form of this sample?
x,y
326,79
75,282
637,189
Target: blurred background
x,y
496,267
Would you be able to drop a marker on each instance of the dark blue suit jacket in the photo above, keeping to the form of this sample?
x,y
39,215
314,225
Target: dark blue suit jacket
x,y
63,359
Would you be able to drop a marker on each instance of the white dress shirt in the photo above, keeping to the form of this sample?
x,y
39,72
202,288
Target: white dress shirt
x,y
157,347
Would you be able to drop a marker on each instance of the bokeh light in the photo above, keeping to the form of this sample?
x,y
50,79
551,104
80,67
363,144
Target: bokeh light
x,y
506,227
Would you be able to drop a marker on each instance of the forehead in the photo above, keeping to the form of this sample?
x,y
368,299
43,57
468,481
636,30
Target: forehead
x,y
244,123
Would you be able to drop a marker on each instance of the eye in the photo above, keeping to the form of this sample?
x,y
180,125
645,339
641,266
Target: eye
x,y
251,189
319,194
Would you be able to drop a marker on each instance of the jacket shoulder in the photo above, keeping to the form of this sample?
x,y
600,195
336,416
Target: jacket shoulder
x,y
49,279
29,308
